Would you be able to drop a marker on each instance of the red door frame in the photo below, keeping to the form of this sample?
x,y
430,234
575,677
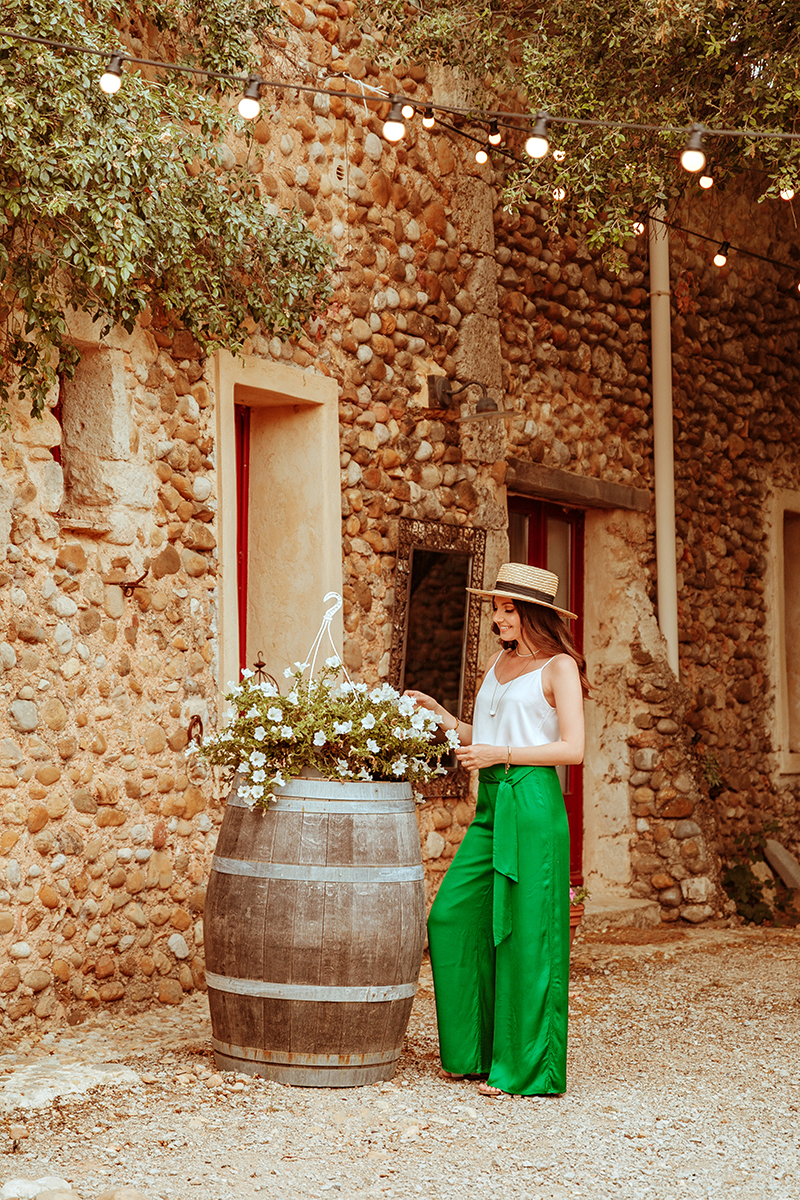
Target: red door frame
x,y
538,512
241,416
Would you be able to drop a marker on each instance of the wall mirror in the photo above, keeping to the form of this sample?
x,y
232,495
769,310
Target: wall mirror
x,y
435,636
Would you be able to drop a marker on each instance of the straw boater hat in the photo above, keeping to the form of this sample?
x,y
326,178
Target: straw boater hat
x,y
516,581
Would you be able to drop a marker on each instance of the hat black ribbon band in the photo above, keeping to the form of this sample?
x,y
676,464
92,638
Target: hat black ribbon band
x,y
527,593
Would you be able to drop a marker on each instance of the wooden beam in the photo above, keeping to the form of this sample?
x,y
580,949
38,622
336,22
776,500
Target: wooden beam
x,y
581,491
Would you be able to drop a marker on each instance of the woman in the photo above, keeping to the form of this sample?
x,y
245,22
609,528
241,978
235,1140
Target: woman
x,y
499,927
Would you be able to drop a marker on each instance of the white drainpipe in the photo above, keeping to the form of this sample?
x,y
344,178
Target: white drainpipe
x,y
663,454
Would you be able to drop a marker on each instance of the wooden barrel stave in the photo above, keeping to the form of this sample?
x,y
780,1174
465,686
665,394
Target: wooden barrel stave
x,y
314,933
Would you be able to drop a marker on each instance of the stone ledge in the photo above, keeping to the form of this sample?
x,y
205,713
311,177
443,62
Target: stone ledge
x,y
620,912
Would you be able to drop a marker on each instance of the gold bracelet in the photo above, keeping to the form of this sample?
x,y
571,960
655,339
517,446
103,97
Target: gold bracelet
x,y
508,758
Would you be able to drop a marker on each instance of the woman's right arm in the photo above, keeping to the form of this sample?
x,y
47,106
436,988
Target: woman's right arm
x,y
449,722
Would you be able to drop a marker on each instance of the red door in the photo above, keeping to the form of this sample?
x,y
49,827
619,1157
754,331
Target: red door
x,y
241,416
551,537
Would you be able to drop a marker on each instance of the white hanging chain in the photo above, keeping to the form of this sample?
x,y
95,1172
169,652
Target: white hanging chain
x,y
324,628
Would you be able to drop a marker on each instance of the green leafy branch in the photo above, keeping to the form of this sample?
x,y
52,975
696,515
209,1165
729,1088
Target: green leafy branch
x,y
114,205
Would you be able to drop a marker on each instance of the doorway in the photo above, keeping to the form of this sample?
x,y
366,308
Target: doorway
x,y
551,536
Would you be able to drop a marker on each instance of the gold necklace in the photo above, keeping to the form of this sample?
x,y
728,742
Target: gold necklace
x,y
495,700
533,653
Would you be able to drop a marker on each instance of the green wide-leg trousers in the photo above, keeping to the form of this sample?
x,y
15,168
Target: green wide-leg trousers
x,y
499,937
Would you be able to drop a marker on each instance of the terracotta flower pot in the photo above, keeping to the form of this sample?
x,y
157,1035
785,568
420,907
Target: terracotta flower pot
x,y
576,912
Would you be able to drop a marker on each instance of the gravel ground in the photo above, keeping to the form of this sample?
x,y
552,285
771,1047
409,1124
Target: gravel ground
x,y
683,1066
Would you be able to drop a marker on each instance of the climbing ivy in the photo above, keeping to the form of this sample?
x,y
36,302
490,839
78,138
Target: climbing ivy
x,y
114,205
723,63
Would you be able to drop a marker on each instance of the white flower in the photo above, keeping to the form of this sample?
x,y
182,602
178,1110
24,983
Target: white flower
x,y
399,733
342,726
259,733
368,722
344,768
333,662
268,688
298,666
293,697
346,687
288,673
260,775
252,712
287,731
406,706
257,791
360,688
418,720
258,758
399,766
319,738
247,673
364,774
244,767
243,791
274,714
373,746
279,781
451,737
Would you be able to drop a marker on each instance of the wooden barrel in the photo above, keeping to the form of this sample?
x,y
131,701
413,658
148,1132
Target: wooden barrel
x,y
314,929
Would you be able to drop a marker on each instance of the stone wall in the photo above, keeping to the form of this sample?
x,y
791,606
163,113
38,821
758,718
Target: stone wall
x,y
108,523
107,826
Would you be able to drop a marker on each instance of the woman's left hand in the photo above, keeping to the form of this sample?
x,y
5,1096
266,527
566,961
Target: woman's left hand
x,y
476,757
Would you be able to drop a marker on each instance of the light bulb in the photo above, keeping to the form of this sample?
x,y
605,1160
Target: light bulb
x,y
559,193
495,136
111,79
538,143
250,103
706,181
482,155
559,155
428,119
408,111
394,126
693,158
721,257
787,193
638,228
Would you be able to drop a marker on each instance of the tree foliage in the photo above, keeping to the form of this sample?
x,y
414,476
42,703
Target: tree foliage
x,y
732,64
116,204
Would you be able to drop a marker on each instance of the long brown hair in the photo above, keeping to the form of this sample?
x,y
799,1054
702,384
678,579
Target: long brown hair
x,y
544,629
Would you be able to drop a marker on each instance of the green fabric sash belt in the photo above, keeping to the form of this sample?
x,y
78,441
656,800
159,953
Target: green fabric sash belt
x,y
504,842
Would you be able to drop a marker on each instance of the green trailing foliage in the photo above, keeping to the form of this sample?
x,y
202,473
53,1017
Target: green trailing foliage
x,y
744,887
723,63
117,204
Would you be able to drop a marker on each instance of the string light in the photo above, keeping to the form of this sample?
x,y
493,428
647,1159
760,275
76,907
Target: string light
x,y
408,110
495,136
482,154
559,193
640,224
111,79
250,103
787,193
428,119
721,257
559,155
394,127
693,158
538,143
706,181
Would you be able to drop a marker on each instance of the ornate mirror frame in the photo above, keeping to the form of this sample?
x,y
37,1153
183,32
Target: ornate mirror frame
x,y
445,539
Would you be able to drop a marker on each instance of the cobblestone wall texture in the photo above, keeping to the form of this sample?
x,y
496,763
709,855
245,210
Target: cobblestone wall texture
x,y
108,590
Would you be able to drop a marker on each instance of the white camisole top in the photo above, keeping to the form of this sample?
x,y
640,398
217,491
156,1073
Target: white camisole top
x,y
522,715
